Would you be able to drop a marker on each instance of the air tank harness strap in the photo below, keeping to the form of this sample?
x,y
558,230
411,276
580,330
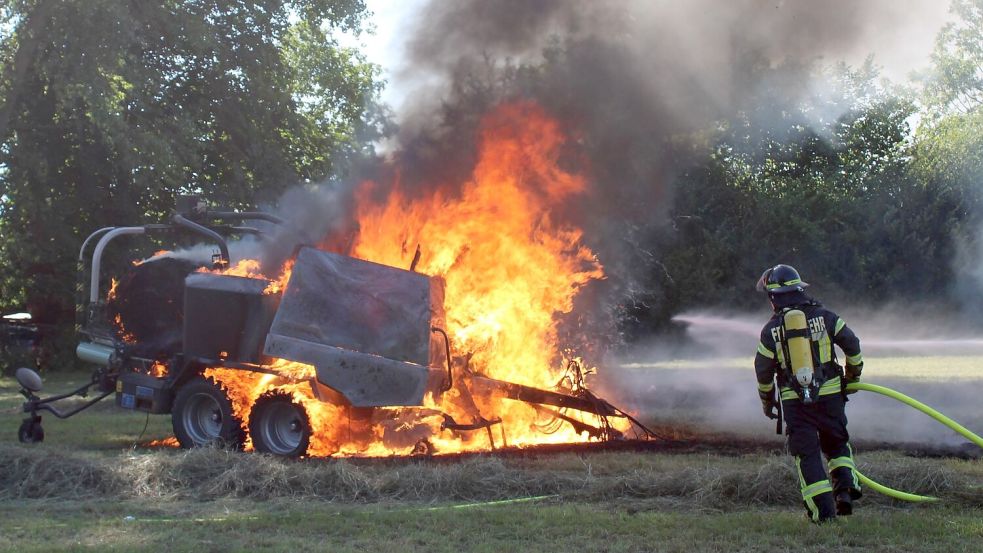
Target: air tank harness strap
x,y
797,333
781,415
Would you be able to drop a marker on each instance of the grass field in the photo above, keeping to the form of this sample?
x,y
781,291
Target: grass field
x,y
87,487
949,368
550,526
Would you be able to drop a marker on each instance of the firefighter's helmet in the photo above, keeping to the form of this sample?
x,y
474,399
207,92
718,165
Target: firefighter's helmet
x,y
780,279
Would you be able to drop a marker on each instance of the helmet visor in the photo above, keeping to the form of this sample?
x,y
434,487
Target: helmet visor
x,y
762,284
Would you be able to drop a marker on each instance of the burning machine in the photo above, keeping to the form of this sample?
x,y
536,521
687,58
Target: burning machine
x,y
365,338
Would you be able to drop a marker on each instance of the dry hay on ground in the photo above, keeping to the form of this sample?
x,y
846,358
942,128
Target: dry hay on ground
x,y
708,482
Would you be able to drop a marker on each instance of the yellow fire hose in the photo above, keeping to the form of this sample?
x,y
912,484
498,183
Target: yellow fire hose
x,y
904,496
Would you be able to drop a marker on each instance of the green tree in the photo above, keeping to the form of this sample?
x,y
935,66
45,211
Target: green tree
x,y
948,154
956,81
826,184
950,141
111,108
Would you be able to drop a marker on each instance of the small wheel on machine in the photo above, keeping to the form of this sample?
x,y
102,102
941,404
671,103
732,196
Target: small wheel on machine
x,y
203,415
30,432
280,425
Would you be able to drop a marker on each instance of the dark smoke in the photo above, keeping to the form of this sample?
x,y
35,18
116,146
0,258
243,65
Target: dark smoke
x,y
684,61
636,82
319,216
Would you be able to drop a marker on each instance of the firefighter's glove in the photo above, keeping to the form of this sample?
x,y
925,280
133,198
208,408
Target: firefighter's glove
x,y
769,406
851,374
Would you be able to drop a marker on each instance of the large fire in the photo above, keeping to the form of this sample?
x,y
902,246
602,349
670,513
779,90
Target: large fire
x,y
510,270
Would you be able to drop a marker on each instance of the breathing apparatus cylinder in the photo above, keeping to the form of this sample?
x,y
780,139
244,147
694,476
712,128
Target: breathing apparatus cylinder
x,y
800,361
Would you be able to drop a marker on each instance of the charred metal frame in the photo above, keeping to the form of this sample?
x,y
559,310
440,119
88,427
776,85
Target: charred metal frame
x,y
182,366
35,403
187,221
529,394
481,423
87,306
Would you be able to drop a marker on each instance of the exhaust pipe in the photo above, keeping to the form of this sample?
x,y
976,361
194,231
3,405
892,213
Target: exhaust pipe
x,y
94,353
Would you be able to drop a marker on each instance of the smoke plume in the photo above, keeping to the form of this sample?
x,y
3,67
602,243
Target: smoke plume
x,y
632,81
705,380
635,82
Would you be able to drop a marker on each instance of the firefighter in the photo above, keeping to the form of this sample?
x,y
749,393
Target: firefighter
x,y
796,350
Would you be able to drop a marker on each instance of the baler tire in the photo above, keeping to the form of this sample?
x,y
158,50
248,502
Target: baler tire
x,y
30,432
279,425
203,416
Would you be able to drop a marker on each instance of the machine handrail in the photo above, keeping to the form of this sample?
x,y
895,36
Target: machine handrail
x,y
97,257
223,247
85,242
244,216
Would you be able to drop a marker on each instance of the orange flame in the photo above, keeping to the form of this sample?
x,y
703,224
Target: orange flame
x,y
250,268
158,370
158,253
124,334
509,268
510,271
113,285
280,283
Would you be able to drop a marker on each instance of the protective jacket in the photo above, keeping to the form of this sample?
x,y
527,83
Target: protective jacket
x,y
826,329
817,428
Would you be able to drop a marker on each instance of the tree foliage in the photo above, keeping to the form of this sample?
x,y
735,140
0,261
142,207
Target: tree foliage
x,y
956,82
111,108
830,185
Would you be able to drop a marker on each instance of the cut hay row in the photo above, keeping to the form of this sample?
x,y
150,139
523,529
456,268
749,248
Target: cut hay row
x,y
698,481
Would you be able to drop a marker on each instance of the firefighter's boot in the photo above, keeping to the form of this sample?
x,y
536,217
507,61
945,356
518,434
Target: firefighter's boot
x,y
844,503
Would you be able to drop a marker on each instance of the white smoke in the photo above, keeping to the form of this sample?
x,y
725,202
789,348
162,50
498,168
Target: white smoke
x,y
319,215
709,384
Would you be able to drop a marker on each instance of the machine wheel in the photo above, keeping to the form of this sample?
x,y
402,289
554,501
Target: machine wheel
x,y
30,432
279,425
203,415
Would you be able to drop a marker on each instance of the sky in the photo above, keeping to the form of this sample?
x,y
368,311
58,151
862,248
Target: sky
x,y
392,21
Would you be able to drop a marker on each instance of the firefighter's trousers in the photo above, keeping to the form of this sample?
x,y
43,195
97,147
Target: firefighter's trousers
x,y
815,430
